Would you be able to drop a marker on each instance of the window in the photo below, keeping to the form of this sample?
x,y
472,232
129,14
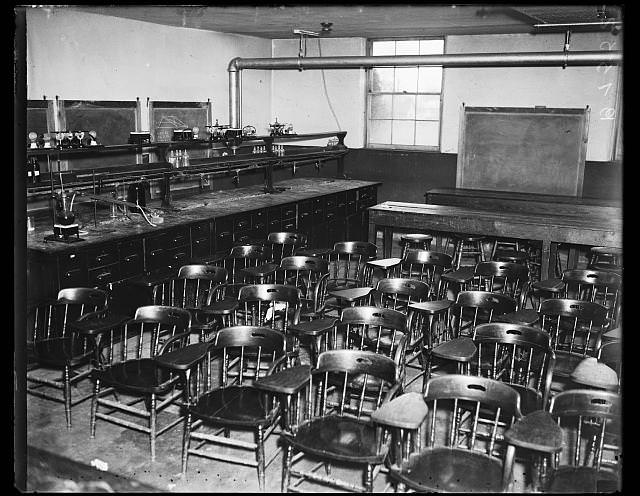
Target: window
x,y
404,103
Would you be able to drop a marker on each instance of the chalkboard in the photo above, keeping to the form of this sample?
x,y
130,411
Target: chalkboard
x,y
39,116
164,117
112,121
529,150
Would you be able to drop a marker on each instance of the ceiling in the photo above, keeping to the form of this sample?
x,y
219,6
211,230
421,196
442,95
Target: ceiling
x,y
367,21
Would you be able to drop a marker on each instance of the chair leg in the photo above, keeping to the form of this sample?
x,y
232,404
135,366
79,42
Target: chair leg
x,y
260,456
286,468
67,396
94,408
152,426
368,481
186,437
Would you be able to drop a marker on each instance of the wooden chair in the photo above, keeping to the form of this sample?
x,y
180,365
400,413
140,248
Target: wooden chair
x,y
427,266
347,263
191,290
455,442
130,372
56,346
471,309
310,276
225,404
251,257
575,327
577,443
284,244
518,355
333,427
415,241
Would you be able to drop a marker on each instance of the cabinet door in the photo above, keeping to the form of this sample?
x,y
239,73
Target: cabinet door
x,y
201,239
72,270
223,234
131,258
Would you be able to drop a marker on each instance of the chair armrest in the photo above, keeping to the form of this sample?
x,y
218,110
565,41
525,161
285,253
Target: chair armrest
x,y
287,381
93,315
406,411
97,323
551,285
183,335
536,431
461,275
183,358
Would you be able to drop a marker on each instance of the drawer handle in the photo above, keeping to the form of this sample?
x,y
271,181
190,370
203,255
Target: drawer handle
x,y
178,256
179,238
242,224
100,258
156,252
130,258
289,226
305,214
223,234
102,276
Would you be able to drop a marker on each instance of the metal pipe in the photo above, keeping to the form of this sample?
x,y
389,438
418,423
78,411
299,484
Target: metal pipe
x,y
515,59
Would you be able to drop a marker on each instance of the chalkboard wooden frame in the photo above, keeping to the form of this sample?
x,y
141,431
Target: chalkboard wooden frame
x,y
158,105
548,159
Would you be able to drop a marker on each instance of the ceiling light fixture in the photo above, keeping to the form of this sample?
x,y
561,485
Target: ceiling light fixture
x,y
326,27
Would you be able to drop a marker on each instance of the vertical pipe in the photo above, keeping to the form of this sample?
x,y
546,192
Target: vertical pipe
x,y
234,98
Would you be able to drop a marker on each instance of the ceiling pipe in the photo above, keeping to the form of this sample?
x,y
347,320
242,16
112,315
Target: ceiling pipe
x,y
515,59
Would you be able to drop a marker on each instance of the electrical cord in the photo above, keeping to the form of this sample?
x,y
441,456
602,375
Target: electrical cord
x,y
326,94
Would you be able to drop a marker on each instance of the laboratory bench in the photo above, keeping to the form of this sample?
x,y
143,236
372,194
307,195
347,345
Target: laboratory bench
x,y
204,226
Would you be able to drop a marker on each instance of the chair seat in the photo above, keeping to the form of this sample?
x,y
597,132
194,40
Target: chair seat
x,y
222,307
58,352
459,350
451,470
233,405
583,480
339,438
141,376
511,256
461,275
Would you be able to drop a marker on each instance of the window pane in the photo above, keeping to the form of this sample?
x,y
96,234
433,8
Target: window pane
x,y
407,47
382,79
380,132
428,107
404,106
429,79
383,48
381,106
427,133
406,78
403,132
430,47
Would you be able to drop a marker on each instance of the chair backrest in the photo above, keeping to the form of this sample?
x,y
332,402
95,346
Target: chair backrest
x,y
507,278
425,265
227,291
478,307
430,327
191,288
348,260
599,286
256,349
153,330
381,330
284,244
342,383
306,274
398,293
518,355
575,326
611,355
243,256
591,421
491,408
277,305
51,319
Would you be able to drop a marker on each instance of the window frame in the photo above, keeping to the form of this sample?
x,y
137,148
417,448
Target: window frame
x,y
368,93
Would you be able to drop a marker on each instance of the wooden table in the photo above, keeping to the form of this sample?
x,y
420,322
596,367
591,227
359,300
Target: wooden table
x,y
527,203
545,227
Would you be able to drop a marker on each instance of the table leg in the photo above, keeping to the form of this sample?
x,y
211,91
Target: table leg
x,y
372,232
387,242
545,256
572,258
